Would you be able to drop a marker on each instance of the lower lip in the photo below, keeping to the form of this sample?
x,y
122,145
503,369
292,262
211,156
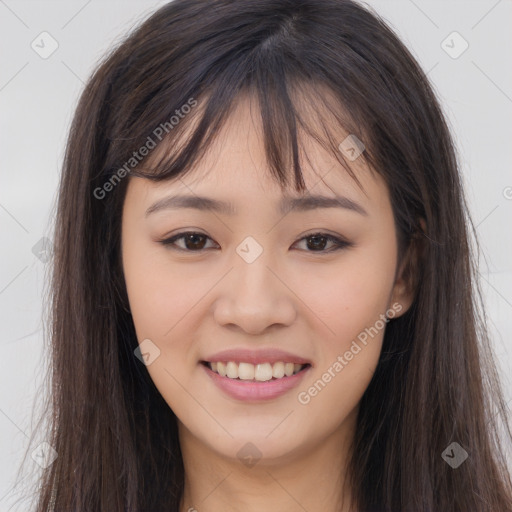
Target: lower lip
x,y
249,390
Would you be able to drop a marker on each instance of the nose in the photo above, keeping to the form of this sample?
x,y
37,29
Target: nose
x,y
254,298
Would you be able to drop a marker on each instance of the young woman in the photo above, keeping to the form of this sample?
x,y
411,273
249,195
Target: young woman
x,y
263,294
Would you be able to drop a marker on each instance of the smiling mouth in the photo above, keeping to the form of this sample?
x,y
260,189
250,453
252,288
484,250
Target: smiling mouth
x,y
262,372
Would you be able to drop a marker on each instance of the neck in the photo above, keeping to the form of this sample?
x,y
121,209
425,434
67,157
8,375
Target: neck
x,y
313,478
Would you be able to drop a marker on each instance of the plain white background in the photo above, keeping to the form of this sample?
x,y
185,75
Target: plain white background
x,y
37,99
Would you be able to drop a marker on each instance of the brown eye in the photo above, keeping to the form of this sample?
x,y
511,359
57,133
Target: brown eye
x,y
190,241
317,242
194,241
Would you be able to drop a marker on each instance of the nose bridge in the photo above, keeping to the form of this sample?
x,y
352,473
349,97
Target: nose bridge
x,y
253,281
252,297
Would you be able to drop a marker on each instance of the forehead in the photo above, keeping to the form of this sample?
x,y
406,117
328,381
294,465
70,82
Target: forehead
x,y
235,165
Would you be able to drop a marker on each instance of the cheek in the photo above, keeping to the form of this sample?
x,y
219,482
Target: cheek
x,y
167,301
352,294
352,304
160,294
162,299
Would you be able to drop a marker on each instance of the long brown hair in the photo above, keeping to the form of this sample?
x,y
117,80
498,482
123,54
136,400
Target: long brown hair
x,y
436,382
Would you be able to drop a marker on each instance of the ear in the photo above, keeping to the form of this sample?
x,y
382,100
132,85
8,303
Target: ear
x,y
407,276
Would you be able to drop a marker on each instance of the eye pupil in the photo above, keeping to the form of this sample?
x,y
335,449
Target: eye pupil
x,y
193,237
315,239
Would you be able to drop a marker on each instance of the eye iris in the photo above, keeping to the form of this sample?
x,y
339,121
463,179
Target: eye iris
x,y
315,239
193,238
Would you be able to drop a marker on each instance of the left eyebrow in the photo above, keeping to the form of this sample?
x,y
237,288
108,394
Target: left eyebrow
x,y
311,202
304,203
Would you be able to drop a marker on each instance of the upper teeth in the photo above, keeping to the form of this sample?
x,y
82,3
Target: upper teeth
x,y
261,372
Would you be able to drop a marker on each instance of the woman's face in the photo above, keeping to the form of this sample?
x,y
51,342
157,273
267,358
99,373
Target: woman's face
x,y
252,290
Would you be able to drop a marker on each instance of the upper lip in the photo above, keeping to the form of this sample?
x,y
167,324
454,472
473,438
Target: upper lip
x,y
263,355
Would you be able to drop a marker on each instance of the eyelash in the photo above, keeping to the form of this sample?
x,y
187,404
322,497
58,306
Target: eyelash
x,y
338,242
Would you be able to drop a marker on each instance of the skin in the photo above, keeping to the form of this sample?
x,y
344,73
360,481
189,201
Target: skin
x,y
292,297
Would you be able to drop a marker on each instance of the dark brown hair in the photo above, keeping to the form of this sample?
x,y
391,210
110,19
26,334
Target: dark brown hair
x,y
436,381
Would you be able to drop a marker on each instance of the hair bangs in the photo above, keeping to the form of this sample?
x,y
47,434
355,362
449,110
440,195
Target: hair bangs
x,y
288,112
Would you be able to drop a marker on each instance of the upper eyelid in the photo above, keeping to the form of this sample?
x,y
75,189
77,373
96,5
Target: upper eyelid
x,y
313,233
